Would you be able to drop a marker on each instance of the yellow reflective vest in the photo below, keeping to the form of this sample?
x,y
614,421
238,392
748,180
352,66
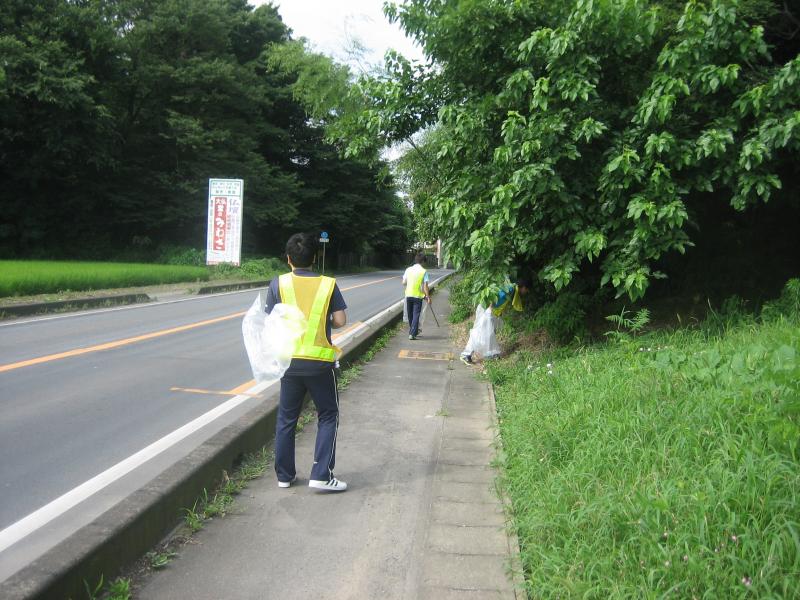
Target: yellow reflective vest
x,y
414,283
516,303
312,295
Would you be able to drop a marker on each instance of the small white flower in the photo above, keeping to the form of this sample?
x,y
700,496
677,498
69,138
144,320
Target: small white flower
x,y
549,372
666,563
641,349
549,365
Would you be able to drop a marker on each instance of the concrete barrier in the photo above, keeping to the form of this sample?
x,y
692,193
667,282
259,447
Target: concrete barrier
x,y
135,525
231,287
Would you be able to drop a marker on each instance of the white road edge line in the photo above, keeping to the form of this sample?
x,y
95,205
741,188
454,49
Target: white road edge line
x,y
137,306
27,525
39,518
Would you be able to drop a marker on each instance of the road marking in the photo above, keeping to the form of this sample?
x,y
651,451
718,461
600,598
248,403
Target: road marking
x,y
144,305
243,388
27,525
212,392
115,344
139,338
121,308
352,287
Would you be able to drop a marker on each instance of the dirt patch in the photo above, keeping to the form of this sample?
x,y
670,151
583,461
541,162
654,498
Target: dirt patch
x,y
459,333
535,342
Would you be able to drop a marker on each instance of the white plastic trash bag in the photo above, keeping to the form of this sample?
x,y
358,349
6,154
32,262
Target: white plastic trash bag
x,y
271,339
423,314
482,338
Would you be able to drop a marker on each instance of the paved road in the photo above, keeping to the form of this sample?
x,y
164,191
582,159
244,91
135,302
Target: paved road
x,y
84,391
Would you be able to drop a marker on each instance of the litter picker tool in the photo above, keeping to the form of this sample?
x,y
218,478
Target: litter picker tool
x,y
430,304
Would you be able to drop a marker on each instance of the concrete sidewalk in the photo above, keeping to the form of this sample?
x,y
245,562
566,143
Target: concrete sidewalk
x,y
420,518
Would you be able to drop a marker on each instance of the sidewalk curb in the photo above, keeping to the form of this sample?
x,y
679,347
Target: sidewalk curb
x,y
125,532
231,287
33,308
36,308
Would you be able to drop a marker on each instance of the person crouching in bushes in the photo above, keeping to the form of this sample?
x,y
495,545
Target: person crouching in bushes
x,y
482,336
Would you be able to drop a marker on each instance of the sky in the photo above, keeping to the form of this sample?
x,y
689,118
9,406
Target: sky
x,y
331,26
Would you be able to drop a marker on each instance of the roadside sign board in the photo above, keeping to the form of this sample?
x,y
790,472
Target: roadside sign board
x,y
225,202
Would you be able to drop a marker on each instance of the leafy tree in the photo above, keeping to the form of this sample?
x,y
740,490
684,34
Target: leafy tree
x,y
114,114
584,138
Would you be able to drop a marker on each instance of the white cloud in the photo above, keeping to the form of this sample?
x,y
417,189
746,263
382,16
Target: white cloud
x,y
332,27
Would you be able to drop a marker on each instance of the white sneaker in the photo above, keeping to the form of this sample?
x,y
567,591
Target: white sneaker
x,y
334,485
285,484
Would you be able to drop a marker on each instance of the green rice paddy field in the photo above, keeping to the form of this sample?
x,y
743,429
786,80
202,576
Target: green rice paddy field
x,y
23,278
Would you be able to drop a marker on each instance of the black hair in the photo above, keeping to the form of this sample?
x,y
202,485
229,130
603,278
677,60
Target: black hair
x,y
524,282
301,249
420,258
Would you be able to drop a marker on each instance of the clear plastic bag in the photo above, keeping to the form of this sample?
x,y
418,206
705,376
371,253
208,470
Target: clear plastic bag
x,y
482,338
271,339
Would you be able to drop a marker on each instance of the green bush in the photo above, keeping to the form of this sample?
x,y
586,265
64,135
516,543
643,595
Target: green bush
x,y
182,255
787,305
262,268
564,318
462,297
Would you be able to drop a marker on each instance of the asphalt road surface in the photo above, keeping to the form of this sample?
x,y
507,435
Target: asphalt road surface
x,y
81,392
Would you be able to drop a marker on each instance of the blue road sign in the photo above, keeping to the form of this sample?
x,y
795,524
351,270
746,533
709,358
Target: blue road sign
x,y
324,234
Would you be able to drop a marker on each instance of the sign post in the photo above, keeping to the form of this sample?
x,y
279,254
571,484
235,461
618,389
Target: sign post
x,y
224,241
323,239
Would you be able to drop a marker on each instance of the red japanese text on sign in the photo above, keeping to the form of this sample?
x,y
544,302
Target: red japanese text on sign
x,y
220,216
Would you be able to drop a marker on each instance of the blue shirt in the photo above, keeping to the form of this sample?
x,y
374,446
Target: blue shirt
x,y
506,295
304,366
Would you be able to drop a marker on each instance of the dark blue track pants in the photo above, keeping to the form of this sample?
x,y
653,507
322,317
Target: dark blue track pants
x,y
323,392
413,308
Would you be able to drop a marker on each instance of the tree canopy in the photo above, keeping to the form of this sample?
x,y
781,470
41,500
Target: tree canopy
x,y
115,113
587,140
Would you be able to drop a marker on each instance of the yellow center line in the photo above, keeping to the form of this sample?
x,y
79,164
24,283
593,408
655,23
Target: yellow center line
x,y
139,338
241,388
114,344
214,392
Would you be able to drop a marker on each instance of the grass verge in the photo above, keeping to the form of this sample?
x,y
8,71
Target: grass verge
x,y
659,465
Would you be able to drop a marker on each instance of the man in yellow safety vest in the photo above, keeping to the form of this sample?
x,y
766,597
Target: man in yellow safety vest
x,y
415,280
312,366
